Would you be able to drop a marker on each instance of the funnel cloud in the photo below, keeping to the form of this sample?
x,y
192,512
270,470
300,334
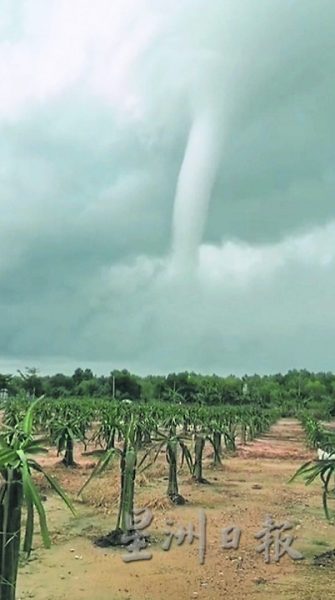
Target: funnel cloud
x,y
194,188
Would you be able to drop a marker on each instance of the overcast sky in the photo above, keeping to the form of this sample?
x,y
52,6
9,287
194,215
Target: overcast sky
x,y
97,102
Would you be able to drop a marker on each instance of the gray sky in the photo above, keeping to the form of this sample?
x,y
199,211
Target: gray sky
x,y
97,102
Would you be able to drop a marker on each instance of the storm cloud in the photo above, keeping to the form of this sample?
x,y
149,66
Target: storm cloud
x,y
98,103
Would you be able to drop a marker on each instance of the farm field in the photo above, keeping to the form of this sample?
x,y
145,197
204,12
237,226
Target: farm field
x,y
250,485
167,285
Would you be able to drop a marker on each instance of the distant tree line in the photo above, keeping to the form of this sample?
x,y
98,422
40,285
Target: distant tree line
x,y
299,388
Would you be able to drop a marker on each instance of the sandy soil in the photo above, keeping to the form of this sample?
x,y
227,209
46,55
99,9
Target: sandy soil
x,y
250,486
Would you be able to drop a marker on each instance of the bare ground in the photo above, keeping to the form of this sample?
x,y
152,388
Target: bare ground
x,y
250,486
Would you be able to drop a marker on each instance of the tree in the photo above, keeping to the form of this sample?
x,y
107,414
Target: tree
x,y
126,385
5,381
78,376
59,385
31,382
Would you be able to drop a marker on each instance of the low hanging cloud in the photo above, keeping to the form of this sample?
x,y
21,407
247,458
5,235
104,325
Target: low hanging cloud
x,y
101,107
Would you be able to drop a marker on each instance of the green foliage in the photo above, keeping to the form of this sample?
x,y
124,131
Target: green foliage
x,y
325,470
318,436
291,393
17,448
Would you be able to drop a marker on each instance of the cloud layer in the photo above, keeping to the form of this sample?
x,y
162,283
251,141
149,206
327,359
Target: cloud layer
x,y
96,107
